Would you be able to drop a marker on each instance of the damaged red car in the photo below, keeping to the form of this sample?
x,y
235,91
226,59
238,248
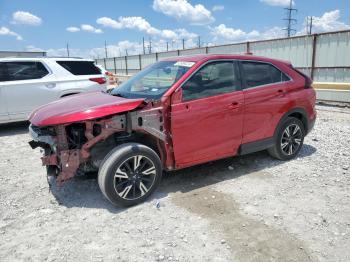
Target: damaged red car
x,y
176,113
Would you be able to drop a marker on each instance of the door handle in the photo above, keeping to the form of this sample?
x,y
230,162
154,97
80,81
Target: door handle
x,y
281,92
233,105
50,85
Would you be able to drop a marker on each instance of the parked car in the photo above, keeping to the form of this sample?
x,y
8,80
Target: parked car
x,y
26,83
110,78
176,113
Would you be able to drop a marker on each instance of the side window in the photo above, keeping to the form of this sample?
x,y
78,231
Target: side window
x,y
212,79
258,74
25,70
3,72
79,68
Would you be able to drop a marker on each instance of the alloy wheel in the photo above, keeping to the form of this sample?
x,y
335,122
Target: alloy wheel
x,y
134,177
291,139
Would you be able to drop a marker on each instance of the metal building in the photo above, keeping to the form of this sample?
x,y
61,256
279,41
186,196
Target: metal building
x,y
21,54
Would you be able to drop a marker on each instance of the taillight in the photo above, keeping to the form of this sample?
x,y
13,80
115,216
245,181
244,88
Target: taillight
x,y
100,80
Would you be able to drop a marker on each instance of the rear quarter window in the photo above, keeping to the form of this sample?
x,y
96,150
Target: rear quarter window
x,y
80,67
259,73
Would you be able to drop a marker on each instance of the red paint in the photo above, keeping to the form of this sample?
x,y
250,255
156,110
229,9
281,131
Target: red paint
x,y
81,107
207,128
200,130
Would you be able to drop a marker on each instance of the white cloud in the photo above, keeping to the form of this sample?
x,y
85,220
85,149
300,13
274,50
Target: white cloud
x,y
184,11
73,29
223,34
6,31
32,48
90,28
218,8
118,49
235,35
25,18
329,21
142,25
274,32
283,3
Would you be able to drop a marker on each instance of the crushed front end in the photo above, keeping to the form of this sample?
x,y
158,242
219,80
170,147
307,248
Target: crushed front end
x,y
80,147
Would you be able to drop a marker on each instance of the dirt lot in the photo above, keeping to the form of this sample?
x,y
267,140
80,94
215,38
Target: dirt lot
x,y
249,208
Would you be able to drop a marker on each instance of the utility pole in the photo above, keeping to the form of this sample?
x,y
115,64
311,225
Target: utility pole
x,y
150,45
67,49
309,25
199,41
290,20
167,46
183,43
106,49
143,45
126,52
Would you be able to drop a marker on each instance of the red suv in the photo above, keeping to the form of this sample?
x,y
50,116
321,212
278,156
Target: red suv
x,y
176,113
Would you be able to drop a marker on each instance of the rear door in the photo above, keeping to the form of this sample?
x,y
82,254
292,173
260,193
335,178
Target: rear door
x,y
265,99
28,86
207,124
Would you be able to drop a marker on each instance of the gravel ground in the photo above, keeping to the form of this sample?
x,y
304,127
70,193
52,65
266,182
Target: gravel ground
x,y
249,208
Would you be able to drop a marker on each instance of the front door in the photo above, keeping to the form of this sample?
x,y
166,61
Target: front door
x,y
207,123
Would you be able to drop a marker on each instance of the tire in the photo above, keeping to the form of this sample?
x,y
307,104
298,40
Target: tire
x,y
129,174
287,147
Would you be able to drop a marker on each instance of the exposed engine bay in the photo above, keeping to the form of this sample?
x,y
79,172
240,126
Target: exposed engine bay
x,y
80,147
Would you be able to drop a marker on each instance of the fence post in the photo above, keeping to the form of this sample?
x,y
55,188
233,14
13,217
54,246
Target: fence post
x,y
313,61
156,56
126,65
140,62
115,66
248,47
206,50
104,61
178,52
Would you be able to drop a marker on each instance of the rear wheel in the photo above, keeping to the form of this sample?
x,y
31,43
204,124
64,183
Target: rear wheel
x,y
129,174
290,138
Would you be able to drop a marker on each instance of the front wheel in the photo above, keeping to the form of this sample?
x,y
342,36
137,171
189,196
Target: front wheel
x,y
129,174
289,140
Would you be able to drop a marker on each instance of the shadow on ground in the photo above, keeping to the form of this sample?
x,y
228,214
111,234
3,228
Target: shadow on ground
x,y
84,191
16,128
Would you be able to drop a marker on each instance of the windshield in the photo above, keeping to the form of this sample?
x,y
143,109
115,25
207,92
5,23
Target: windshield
x,y
153,81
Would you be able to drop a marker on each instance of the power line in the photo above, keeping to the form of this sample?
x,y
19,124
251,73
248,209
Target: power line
x,y
290,20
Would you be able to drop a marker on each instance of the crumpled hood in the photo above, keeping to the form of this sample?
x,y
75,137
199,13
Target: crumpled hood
x,y
80,107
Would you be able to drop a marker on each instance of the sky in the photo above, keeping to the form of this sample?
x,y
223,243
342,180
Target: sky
x,y
43,25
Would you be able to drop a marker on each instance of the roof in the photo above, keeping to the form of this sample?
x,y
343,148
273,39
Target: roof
x,y
28,59
206,57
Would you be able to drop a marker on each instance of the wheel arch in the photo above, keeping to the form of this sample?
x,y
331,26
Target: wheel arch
x,y
142,138
298,113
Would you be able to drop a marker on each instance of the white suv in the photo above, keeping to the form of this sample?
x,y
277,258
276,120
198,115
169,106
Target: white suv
x,y
26,83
